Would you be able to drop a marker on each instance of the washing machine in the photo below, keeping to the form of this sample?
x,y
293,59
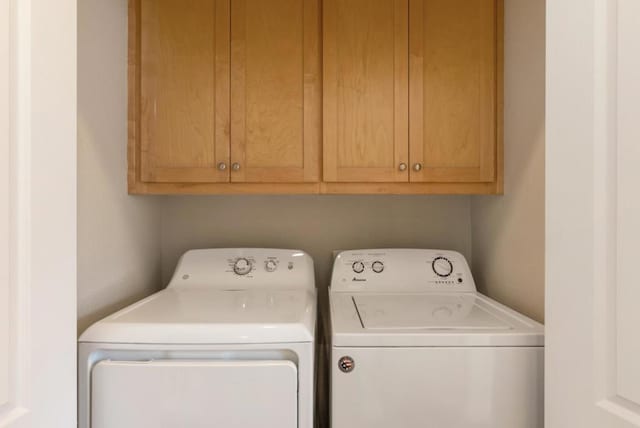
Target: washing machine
x,y
228,343
413,344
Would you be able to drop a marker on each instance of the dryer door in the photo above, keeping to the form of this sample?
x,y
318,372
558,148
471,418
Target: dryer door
x,y
195,394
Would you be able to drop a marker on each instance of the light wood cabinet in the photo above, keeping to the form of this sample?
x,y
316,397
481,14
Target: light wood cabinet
x,y
422,110
453,90
315,96
365,90
275,87
223,91
179,86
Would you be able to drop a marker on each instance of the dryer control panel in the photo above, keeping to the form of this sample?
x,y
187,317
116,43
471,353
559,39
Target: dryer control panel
x,y
396,270
244,268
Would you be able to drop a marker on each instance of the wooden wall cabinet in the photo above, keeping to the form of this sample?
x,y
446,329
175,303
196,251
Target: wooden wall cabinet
x,y
275,91
241,96
179,86
365,90
224,92
453,90
412,92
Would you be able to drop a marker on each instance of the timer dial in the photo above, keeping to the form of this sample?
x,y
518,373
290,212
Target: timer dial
x,y
442,267
358,267
377,266
270,265
242,266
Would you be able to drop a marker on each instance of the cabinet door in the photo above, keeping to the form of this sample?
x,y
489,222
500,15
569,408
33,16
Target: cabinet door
x,y
453,84
275,86
365,90
183,84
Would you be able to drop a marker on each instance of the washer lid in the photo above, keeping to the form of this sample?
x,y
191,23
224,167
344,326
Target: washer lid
x,y
204,316
442,312
428,320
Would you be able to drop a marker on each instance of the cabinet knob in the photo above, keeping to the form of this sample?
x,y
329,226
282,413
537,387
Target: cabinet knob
x,y
402,166
417,167
222,166
235,166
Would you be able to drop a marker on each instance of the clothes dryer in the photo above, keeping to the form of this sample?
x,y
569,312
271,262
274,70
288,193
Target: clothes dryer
x,y
229,343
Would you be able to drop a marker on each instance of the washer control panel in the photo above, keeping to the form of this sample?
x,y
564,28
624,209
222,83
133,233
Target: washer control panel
x,y
401,270
243,268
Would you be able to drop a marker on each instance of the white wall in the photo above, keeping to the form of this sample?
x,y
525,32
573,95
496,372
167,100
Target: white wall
x,y
316,224
508,231
118,235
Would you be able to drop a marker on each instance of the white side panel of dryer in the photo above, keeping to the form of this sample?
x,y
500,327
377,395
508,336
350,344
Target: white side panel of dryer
x,y
194,394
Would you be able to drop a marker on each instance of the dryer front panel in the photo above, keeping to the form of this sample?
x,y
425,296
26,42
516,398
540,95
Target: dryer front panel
x,y
194,394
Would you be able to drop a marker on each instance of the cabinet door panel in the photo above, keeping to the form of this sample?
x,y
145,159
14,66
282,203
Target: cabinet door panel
x,y
183,81
453,85
365,90
275,104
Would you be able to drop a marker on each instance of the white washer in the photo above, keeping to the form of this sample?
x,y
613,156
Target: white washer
x,y
415,345
229,343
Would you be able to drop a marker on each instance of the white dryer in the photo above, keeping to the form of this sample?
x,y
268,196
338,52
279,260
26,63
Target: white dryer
x,y
229,343
415,345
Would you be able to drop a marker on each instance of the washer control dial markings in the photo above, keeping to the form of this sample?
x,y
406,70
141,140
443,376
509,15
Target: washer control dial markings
x,y
442,267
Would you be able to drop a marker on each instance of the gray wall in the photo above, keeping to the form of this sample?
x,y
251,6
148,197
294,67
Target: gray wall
x,y
508,231
118,235
315,224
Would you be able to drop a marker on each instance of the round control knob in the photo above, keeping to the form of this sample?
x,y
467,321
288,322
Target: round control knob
x,y
242,266
270,265
358,267
377,266
442,267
